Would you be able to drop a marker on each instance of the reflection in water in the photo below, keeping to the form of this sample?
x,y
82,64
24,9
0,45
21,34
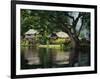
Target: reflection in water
x,y
32,57
61,57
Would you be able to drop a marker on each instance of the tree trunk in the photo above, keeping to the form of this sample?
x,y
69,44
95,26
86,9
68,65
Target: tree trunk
x,y
74,55
75,47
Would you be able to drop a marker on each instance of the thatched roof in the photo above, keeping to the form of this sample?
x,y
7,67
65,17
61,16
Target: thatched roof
x,y
31,31
62,34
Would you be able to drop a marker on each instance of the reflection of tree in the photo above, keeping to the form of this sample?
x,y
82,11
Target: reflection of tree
x,y
31,55
74,57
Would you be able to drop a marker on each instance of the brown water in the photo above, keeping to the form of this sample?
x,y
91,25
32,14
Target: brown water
x,y
32,58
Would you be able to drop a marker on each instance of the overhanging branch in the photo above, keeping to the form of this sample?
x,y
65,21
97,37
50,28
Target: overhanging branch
x,y
70,16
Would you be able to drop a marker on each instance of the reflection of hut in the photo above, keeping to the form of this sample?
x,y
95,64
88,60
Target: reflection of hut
x,y
30,33
60,57
31,55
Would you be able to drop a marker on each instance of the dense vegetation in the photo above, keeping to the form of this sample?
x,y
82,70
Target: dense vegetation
x,y
75,24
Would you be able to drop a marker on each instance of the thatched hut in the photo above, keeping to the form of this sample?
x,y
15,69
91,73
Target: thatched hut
x,y
30,36
62,34
30,33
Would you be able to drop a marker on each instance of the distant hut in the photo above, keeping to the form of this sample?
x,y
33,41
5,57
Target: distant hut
x,y
30,36
30,33
62,34
59,37
53,36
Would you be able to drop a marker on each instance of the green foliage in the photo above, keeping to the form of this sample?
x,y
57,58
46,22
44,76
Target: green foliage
x,y
24,42
40,20
47,22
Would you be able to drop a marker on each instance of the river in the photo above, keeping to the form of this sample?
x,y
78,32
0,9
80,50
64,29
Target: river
x,y
32,58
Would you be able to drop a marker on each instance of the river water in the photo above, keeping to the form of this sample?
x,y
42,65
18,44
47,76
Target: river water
x,y
32,58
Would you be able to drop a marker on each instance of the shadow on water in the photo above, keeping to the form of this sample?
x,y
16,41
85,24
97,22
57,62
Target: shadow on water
x,y
32,58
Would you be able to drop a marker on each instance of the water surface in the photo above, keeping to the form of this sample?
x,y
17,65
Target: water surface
x,y
32,58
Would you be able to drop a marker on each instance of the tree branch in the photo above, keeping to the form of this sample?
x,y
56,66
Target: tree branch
x,y
70,16
80,28
77,19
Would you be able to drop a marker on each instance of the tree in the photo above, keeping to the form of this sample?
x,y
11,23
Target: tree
x,y
70,28
47,22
